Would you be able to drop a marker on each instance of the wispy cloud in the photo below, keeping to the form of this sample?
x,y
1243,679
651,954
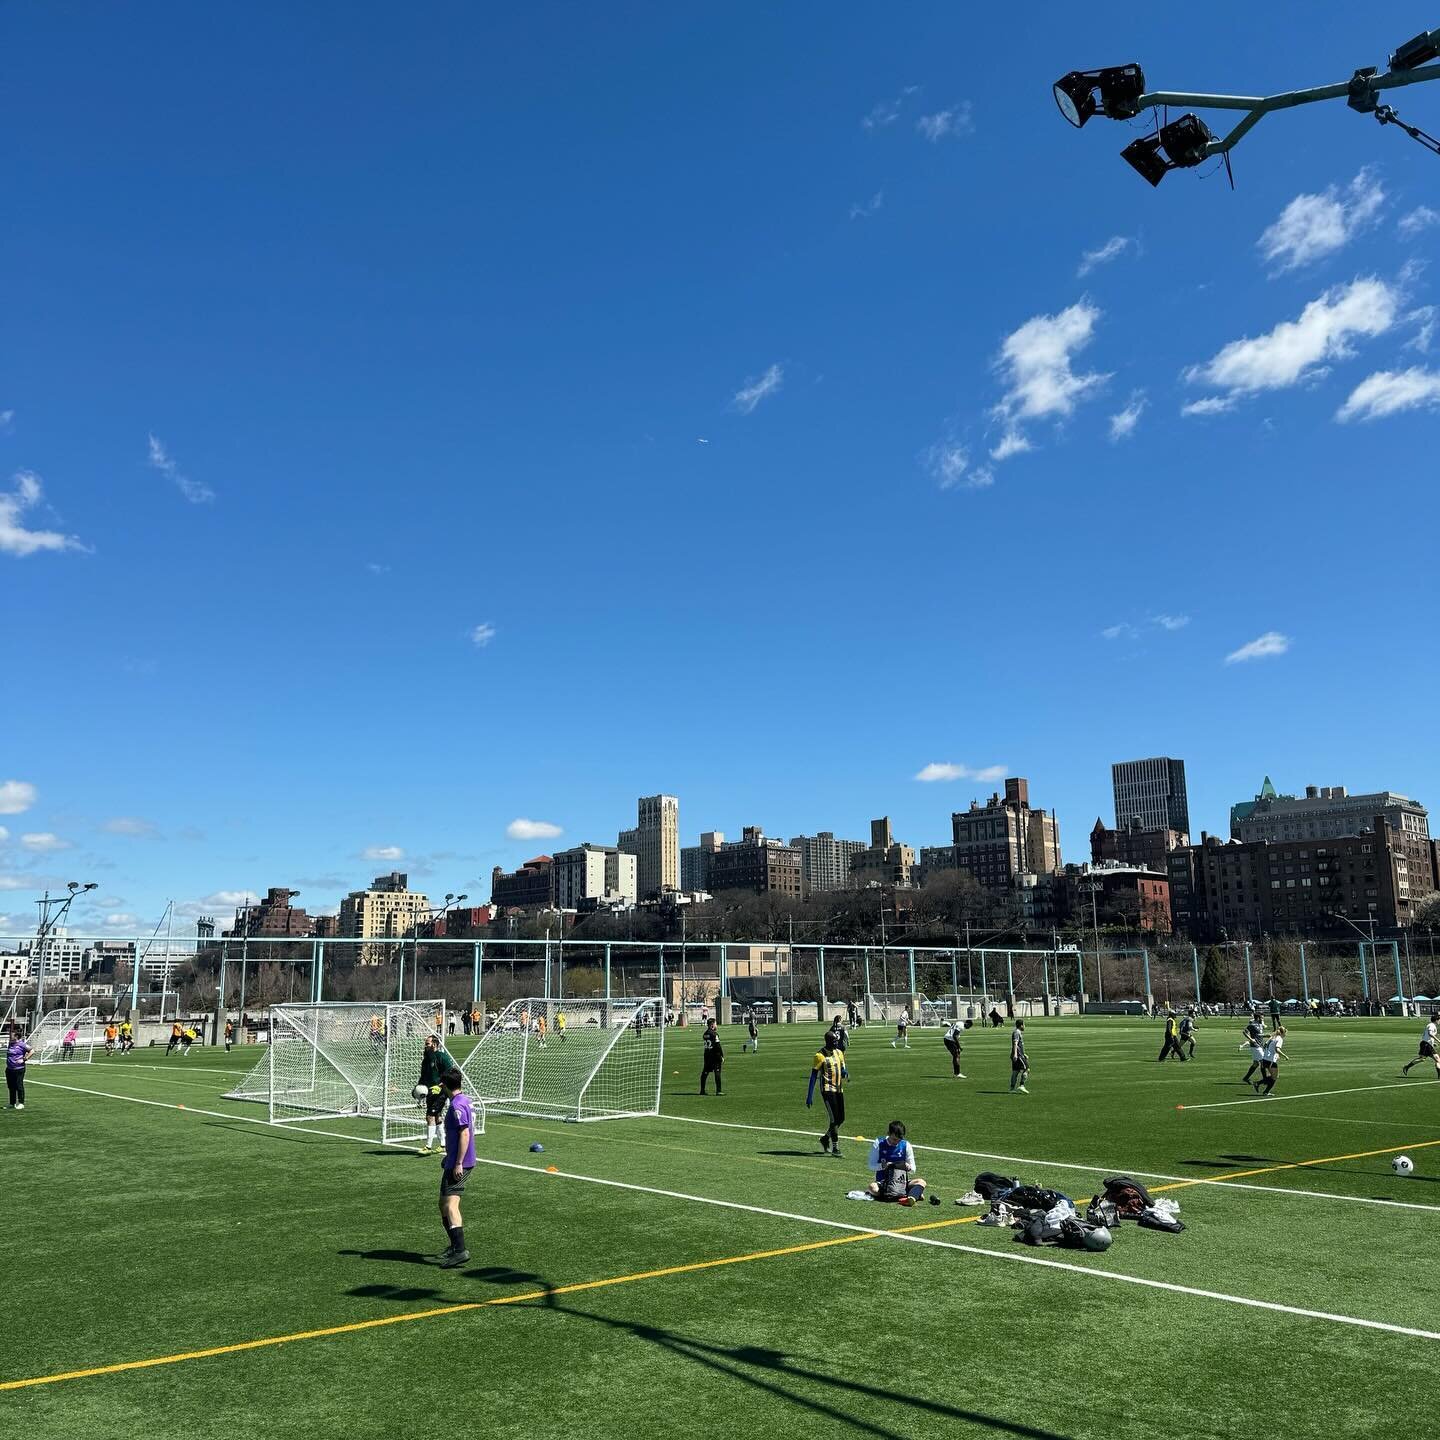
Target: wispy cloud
x,y
1424,319
15,538
948,463
482,635
376,568
754,390
1012,442
1392,392
950,123
1422,217
16,796
1123,422
382,852
1036,362
1171,622
864,211
1211,405
1123,631
887,112
939,770
131,825
1296,350
1112,249
1311,227
6,416
195,491
1132,630
1271,643
522,829
43,842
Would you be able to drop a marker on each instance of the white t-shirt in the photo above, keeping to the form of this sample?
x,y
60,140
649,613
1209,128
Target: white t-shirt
x,y
1273,1047
1429,1033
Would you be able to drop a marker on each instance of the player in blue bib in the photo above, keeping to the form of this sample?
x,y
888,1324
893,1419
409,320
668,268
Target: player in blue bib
x,y
892,1158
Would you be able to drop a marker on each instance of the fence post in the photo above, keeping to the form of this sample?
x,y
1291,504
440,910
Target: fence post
x,y
1249,978
1304,976
1399,982
319,986
1010,980
1149,999
821,965
866,998
984,989
1045,965
1080,979
607,970
912,978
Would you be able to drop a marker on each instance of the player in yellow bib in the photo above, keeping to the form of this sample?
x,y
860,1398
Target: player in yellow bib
x,y
829,1070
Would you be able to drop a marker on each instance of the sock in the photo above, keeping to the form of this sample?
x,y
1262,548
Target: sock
x,y
457,1238
916,1192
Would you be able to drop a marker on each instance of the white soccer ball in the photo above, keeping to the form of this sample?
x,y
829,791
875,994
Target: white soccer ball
x,y
1403,1165
420,1091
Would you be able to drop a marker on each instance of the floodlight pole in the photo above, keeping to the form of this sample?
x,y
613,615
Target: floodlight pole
x,y
1258,106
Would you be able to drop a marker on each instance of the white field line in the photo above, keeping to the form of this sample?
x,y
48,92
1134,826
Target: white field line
x,y
1014,1257
1304,1095
1100,1170
1003,1255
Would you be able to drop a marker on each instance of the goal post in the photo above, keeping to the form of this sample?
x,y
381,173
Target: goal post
x,y
347,1060
51,1038
585,1059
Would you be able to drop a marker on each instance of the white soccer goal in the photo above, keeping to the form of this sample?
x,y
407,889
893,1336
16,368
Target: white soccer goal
x,y
342,1060
590,1059
51,1038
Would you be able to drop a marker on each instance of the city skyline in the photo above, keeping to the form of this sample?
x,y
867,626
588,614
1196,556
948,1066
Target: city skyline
x,y
347,423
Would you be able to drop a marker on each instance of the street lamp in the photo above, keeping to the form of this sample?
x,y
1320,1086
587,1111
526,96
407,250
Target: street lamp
x,y
52,912
1118,93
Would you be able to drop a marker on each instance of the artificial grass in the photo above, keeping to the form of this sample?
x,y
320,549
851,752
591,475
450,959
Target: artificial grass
x,y
141,1231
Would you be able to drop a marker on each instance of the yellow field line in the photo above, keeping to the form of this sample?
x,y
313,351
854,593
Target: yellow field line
x,y
1296,1165
355,1326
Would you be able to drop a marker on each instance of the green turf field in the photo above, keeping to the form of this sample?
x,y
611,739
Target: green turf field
x,y
141,1231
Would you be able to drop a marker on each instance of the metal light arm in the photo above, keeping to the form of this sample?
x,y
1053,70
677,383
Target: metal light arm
x,y
1258,106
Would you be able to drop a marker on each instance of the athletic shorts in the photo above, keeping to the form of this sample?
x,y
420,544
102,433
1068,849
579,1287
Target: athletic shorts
x,y
1427,1050
1018,1065
435,1106
1256,1053
449,1187
834,1106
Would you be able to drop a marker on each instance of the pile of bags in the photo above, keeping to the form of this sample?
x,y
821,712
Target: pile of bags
x,y
1047,1217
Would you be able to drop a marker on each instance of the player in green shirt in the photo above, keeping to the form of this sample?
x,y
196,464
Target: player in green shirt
x,y
435,1064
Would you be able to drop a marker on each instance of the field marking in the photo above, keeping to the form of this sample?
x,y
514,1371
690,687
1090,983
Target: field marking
x,y
1302,1095
1223,1181
1305,1164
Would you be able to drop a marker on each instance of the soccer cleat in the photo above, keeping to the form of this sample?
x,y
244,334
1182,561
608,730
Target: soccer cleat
x,y
21,1105
1021,1090
959,1076
906,1200
452,1258
426,1150
825,1143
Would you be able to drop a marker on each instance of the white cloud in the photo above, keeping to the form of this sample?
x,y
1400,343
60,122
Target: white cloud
x,y
1036,363
195,491
1313,226
1012,442
1424,319
15,539
1295,349
1390,392
864,211
1211,405
376,568
954,121
1123,631
382,852
1172,622
16,796
523,829
130,825
949,465
945,770
753,391
1422,217
43,841
887,112
4,834
1272,642
1112,249
6,416
1123,422
482,635
216,903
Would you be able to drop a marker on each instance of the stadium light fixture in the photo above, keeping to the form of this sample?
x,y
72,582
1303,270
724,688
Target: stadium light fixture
x,y
1118,92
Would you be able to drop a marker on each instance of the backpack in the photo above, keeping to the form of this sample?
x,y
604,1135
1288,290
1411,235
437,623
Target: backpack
x,y
1103,1212
992,1186
1130,1198
1033,1197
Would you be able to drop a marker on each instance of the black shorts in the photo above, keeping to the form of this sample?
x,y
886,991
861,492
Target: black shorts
x,y
834,1105
435,1105
450,1187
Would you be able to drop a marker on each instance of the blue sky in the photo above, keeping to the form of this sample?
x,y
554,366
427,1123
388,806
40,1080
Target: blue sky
x,y
420,421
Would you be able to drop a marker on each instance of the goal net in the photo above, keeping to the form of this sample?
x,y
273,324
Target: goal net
x,y
64,1037
343,1060
571,1060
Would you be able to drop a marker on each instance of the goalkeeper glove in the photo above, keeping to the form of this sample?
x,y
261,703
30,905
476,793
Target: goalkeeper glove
x,y
434,1089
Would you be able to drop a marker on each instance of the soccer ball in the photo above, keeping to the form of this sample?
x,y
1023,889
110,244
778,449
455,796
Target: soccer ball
x,y
420,1091
1403,1165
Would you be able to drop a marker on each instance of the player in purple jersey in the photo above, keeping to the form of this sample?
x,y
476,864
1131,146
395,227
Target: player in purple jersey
x,y
455,1168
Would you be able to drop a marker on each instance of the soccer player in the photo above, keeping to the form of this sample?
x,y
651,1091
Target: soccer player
x,y
1187,1031
953,1031
176,1034
840,1035
540,1030
1270,1064
1427,1049
67,1043
435,1065
1171,1045
1019,1063
229,1036
902,1031
111,1031
892,1158
829,1069
752,1032
127,1037
1254,1042
559,1024
16,1054
187,1039
714,1055
455,1168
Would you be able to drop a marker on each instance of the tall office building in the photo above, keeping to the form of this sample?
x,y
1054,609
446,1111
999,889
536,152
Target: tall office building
x,y
1153,792
595,873
389,909
695,861
883,861
1001,840
1325,812
655,844
825,861
756,862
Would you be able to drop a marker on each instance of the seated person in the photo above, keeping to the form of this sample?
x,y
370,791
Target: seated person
x,y
892,1158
